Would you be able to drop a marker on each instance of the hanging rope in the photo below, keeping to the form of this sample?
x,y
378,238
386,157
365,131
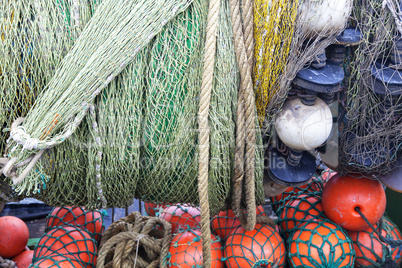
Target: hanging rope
x,y
245,133
205,98
393,243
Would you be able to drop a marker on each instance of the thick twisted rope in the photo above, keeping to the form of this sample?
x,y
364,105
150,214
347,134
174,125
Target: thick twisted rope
x,y
245,113
205,97
120,243
4,263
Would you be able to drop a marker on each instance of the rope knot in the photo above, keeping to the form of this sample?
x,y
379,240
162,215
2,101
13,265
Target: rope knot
x,y
135,241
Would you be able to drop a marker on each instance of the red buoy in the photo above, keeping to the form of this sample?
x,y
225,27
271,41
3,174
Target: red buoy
x,y
344,196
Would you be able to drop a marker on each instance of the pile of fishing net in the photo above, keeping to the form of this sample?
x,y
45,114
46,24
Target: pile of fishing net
x,y
370,122
140,137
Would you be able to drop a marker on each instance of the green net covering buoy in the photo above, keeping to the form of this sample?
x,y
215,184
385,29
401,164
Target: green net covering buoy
x,y
320,243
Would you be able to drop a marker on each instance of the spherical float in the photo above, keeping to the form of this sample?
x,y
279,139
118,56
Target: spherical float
x,y
320,244
321,18
298,211
344,195
14,235
186,250
77,216
69,241
182,217
225,222
261,247
303,127
24,259
370,250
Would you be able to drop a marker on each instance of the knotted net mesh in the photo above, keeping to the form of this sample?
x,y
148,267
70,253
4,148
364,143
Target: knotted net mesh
x,y
118,118
320,243
35,36
371,126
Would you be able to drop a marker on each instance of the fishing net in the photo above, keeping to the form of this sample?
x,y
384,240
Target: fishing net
x,y
56,262
371,251
320,243
370,129
225,222
135,241
298,211
289,36
261,247
35,36
138,82
91,221
67,241
313,188
182,217
186,250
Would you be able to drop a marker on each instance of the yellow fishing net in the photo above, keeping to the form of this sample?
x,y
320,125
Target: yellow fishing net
x,y
274,23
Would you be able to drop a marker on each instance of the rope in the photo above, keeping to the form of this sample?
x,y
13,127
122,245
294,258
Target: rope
x,y
121,242
205,97
9,166
395,11
4,263
393,243
245,113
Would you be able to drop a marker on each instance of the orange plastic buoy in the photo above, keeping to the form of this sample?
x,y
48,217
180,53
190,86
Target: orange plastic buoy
x,y
24,259
261,247
298,211
225,222
343,195
370,250
182,217
320,244
14,235
186,250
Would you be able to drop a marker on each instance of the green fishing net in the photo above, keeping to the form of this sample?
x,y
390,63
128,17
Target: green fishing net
x,y
371,124
226,221
56,262
120,112
320,243
313,188
92,221
298,211
371,251
72,242
35,36
186,250
261,247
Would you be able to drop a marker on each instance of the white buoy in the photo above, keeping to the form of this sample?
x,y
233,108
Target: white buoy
x,y
302,127
323,17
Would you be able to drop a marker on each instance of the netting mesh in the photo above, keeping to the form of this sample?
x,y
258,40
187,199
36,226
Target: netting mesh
x,y
140,138
313,188
261,247
182,217
67,241
56,261
225,222
371,135
186,250
320,243
370,250
91,221
273,29
35,36
293,45
298,211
